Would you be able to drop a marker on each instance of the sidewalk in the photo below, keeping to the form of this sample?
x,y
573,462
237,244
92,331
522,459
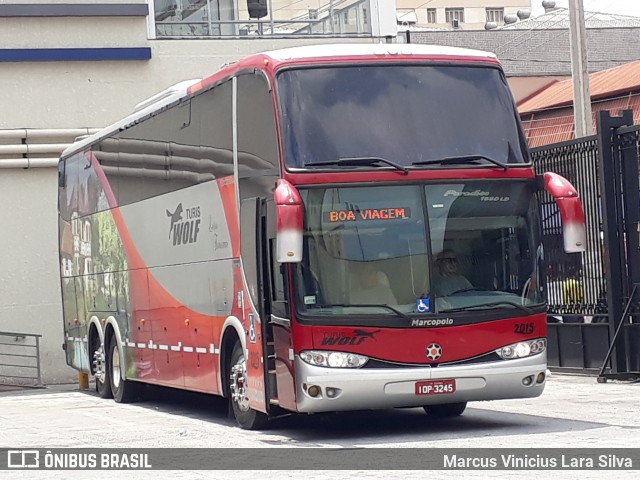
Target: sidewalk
x,y
573,411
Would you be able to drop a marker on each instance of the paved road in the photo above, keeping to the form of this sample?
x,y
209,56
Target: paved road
x,y
573,412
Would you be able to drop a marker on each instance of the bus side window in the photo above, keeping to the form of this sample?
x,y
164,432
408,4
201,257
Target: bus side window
x,y
179,147
248,246
70,169
279,304
258,160
61,173
277,275
257,134
277,271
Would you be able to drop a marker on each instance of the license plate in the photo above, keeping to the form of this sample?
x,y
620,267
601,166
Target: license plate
x,y
436,387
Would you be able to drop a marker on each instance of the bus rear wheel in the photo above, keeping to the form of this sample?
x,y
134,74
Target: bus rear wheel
x,y
247,418
124,391
446,410
103,379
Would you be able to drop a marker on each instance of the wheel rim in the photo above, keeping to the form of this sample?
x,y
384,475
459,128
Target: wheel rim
x,y
115,368
238,384
99,366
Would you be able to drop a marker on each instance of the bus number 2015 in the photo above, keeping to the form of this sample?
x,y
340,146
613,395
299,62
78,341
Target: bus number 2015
x,y
524,328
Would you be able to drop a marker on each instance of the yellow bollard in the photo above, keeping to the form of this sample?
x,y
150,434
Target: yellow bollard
x,y
83,381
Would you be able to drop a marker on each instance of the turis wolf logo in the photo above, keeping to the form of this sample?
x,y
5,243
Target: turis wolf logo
x,y
175,217
357,338
184,230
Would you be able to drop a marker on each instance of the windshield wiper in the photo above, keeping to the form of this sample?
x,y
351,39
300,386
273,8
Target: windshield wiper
x,y
462,159
472,289
381,305
360,161
484,306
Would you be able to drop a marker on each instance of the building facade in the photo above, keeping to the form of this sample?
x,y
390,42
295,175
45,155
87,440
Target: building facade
x,y
460,14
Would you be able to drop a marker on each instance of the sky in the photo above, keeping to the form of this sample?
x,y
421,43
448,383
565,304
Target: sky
x,y
620,7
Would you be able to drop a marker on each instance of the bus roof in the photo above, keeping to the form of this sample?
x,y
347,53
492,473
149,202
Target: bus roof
x,y
340,53
372,49
292,55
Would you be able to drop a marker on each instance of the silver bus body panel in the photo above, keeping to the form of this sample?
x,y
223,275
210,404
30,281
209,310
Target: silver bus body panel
x,y
364,389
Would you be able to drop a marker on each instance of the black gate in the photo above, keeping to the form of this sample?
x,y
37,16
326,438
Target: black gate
x,y
593,315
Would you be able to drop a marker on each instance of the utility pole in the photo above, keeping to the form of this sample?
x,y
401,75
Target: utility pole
x,y
579,70
585,176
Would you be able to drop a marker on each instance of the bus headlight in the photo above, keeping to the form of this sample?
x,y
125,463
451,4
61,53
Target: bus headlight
x,y
523,349
333,359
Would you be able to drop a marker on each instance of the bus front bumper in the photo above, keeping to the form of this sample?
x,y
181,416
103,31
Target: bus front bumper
x,y
364,389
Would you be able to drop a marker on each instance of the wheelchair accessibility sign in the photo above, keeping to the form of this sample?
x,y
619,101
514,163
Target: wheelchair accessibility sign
x,y
423,305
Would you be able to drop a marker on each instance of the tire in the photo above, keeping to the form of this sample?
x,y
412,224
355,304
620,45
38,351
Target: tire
x,y
103,381
247,418
445,411
124,391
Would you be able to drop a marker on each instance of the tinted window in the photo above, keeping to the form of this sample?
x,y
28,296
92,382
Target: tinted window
x,y
257,141
485,243
83,192
363,247
186,145
258,164
403,113
68,195
367,249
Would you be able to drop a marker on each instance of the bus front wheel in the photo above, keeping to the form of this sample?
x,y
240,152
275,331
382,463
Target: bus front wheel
x,y
446,410
247,418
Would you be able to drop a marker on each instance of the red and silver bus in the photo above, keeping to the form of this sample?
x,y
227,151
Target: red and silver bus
x,y
314,229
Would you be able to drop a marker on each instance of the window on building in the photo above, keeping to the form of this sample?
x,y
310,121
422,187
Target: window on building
x,y
432,15
454,15
406,17
189,18
495,15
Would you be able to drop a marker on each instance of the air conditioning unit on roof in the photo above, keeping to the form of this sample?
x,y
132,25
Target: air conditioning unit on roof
x,y
455,23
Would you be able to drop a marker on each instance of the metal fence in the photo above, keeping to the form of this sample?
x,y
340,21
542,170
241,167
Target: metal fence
x,y
594,316
20,359
575,281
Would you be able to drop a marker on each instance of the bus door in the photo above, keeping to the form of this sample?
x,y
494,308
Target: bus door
x,y
267,320
256,307
279,345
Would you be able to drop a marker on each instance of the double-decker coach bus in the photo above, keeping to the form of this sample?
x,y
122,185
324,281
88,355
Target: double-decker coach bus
x,y
315,229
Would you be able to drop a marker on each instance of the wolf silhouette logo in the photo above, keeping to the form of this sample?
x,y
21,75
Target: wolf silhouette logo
x,y
175,217
363,333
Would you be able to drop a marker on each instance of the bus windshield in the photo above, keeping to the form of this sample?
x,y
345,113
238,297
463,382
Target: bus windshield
x,y
411,115
435,248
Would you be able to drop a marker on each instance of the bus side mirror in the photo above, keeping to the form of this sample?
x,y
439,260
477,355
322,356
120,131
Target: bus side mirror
x,y
574,228
290,214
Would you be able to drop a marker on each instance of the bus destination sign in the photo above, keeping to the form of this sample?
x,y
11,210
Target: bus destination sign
x,y
366,214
